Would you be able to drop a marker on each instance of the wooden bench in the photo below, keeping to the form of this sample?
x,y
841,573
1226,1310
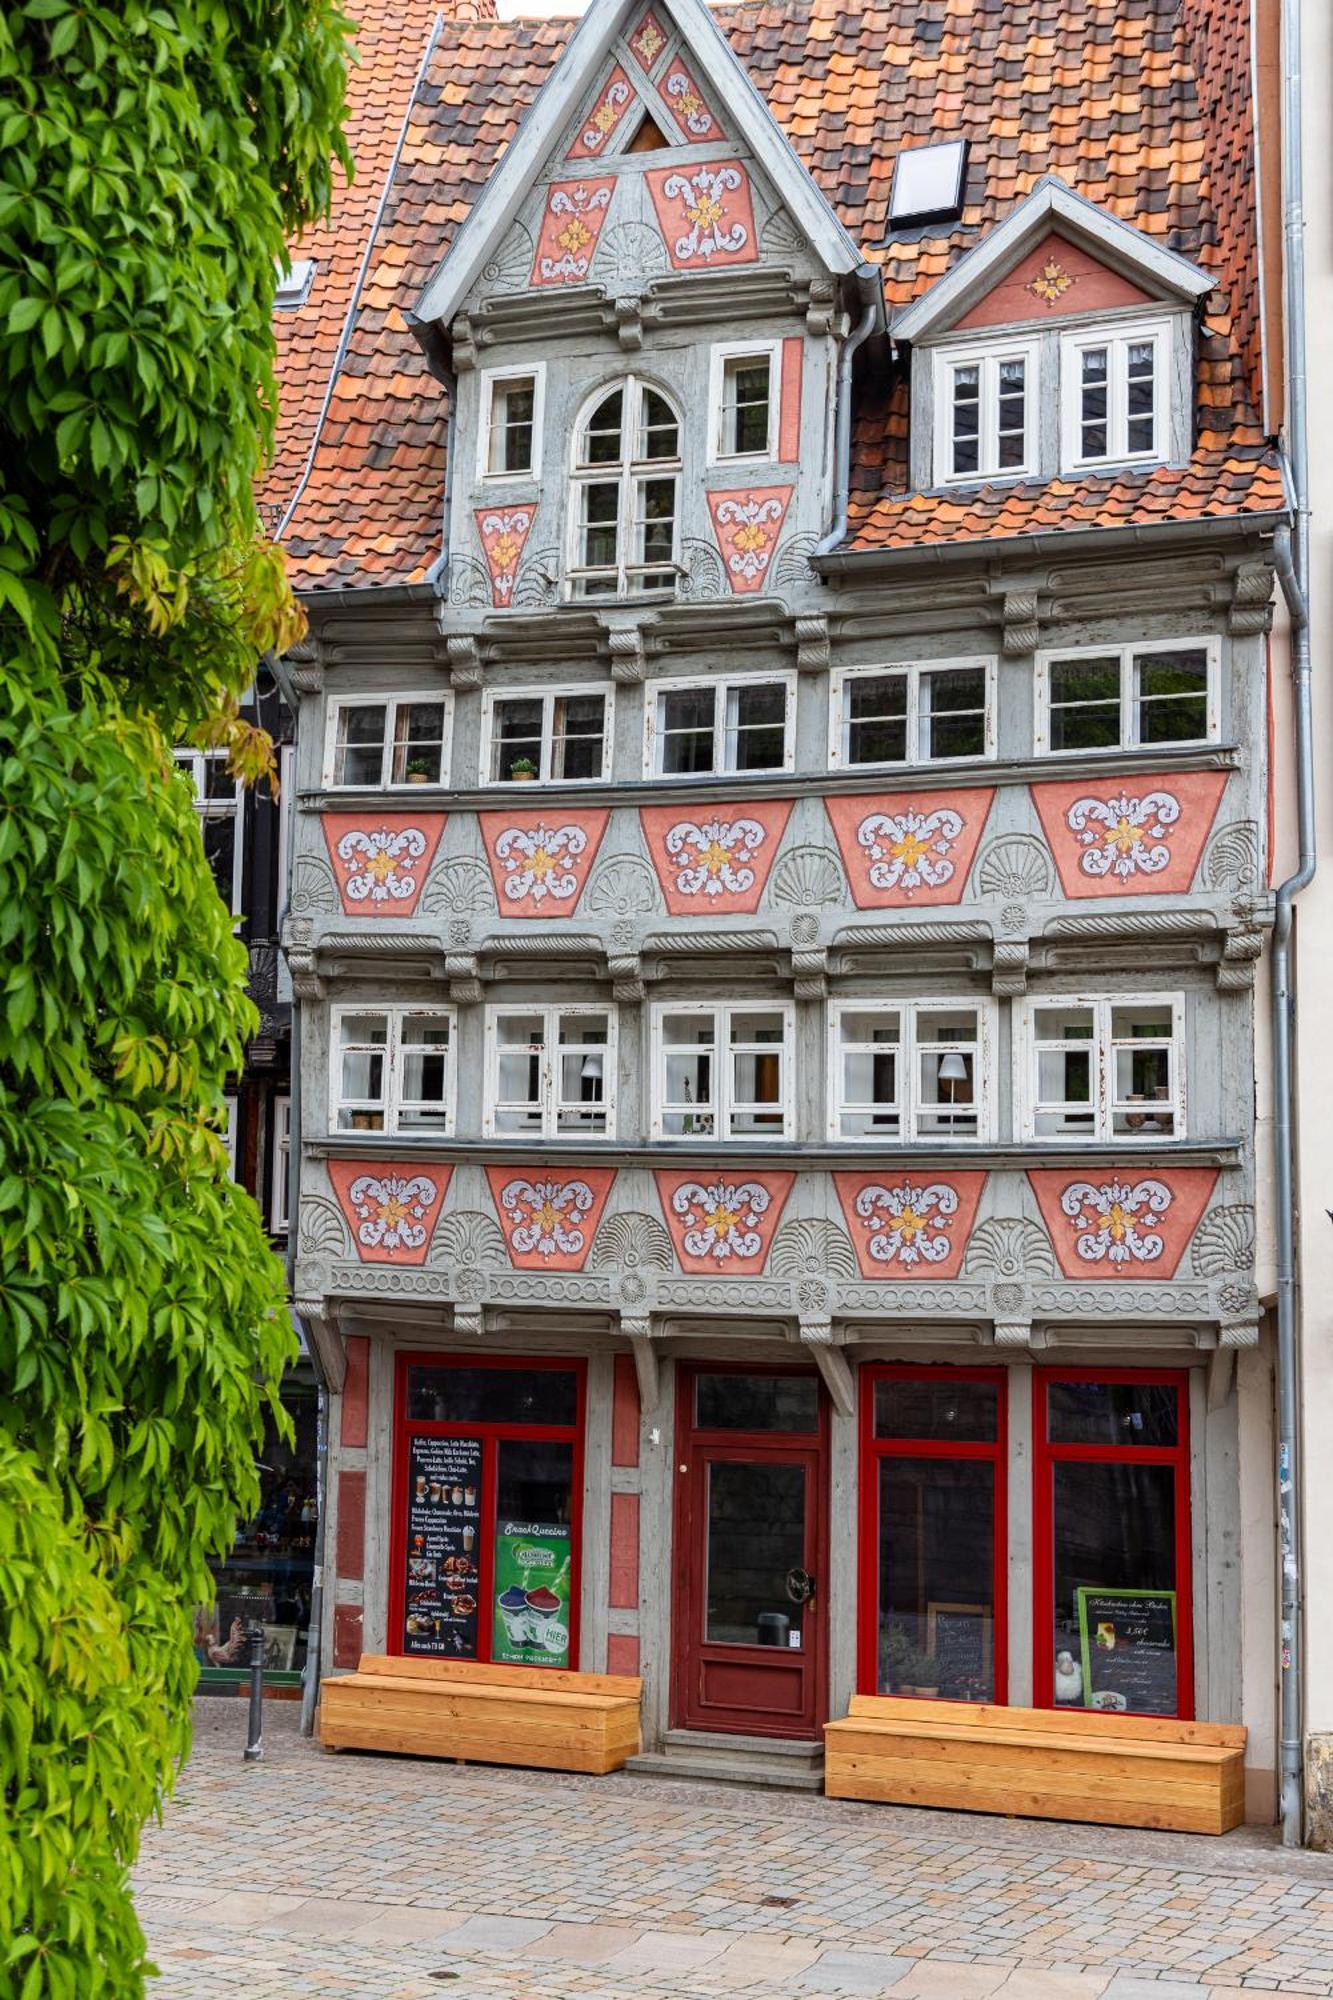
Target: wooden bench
x,y
541,1716
1114,1770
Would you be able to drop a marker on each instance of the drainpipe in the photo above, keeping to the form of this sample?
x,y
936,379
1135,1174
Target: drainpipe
x,y
868,281
1292,560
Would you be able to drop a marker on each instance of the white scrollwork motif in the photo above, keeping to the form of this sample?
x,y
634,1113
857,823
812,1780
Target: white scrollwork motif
x,y
909,1225
722,1219
606,117
910,850
703,194
1115,1221
687,104
710,857
547,1216
391,1212
380,863
755,523
1124,836
539,862
578,233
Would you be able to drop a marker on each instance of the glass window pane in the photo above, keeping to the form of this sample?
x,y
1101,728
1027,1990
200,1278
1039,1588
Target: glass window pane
x,y
601,438
953,712
875,707
446,1394
936,1560
1128,1413
756,726
756,1403
1114,1630
685,729
359,757
756,1533
966,420
1172,691
1011,405
1085,704
578,722
940,1406
516,730
512,411
659,435
745,404
418,742
533,1574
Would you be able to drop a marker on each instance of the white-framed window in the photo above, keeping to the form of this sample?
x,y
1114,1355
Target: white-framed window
x,y
923,712
906,1071
1114,395
744,398
1128,697
624,496
1096,1069
550,1073
743,723
722,1071
218,802
392,1069
547,736
286,787
509,442
986,412
379,742
281,1150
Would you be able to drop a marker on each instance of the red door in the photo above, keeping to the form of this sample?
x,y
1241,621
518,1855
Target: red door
x,y
750,1625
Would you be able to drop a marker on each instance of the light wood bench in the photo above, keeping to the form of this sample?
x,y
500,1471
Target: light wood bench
x,y
488,1715
1113,1770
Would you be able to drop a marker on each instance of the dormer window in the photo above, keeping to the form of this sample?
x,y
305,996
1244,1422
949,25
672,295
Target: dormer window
x,y
985,412
625,493
1114,395
744,401
511,424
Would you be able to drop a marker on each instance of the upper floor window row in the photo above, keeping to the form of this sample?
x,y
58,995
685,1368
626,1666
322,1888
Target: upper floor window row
x,y
1110,390
1162,695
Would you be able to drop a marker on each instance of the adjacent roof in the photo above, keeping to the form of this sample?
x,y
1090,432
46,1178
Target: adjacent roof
x,y
1143,106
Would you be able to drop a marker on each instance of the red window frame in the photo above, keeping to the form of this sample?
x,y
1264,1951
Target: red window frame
x,y
490,1436
1046,1456
873,1449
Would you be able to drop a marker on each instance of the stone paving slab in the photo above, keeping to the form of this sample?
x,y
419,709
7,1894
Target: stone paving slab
x,y
356,1878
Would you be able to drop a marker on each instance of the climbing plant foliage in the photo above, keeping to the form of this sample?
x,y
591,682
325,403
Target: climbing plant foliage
x,y
154,161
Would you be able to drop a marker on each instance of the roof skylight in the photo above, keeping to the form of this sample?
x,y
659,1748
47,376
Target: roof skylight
x,y
293,285
928,182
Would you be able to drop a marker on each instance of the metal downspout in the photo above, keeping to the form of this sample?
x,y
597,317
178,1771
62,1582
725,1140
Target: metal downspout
x,y
867,277
1293,569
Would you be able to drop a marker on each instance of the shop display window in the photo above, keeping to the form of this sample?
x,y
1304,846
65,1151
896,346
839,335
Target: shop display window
x,y
933,1532
1112,1530
488,1484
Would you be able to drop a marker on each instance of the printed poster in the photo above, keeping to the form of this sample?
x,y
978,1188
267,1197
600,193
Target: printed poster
x,y
532,1594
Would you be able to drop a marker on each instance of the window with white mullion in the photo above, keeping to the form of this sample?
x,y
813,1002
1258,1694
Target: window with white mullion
x,y
722,1072
279,1178
380,744
1114,395
927,713
909,1071
987,401
625,493
392,1070
744,399
1102,1069
546,736
703,727
550,1072
1128,697
218,803
511,423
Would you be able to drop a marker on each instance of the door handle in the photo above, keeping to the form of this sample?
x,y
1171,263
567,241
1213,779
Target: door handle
x,y
800,1586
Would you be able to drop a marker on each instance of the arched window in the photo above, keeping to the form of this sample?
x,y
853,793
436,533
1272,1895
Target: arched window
x,y
625,493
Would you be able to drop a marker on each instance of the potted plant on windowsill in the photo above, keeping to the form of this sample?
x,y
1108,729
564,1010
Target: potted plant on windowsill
x,y
522,771
418,773
927,1683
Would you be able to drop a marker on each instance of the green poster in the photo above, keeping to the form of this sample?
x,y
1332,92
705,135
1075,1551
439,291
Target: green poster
x,y
532,1579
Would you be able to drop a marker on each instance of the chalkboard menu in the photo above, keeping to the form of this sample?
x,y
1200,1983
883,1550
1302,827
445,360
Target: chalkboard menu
x,y
443,1530
1128,1639
958,1640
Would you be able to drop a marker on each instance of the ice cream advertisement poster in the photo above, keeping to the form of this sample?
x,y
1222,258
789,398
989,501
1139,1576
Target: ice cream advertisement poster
x,y
532,1580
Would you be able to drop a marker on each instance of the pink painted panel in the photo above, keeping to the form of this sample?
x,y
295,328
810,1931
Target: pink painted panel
x,y
1129,1221
705,212
909,1224
624,1412
684,100
747,524
721,1222
356,1390
346,1635
351,1544
571,224
909,850
613,101
541,861
392,1209
714,860
622,1654
1129,836
549,1217
381,860
789,408
624,1591
1057,278
648,40
503,534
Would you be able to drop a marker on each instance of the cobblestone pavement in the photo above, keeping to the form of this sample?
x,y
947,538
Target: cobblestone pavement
x,y
366,1878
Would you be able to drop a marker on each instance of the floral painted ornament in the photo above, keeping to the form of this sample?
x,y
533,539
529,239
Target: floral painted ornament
x,y
549,1220
1106,1222
908,1226
909,849
381,860
503,533
747,525
705,212
648,40
720,1225
718,862
1112,838
613,101
540,862
571,224
683,99
391,1210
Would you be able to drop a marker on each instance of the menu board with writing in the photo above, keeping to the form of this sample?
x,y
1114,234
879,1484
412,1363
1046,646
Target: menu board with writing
x,y
443,1527
1128,1640
958,1639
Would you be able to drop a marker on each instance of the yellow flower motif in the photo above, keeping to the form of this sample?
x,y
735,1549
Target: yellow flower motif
x,y
1052,284
1119,1222
380,865
648,44
541,863
706,211
504,552
722,1220
604,117
751,536
909,1224
391,1212
575,236
1124,836
909,848
716,857
689,103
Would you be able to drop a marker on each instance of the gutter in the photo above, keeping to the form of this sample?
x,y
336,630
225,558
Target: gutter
x,y
1056,544
1292,559
870,286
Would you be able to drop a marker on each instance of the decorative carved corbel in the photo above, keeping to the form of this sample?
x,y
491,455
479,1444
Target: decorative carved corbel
x,y
299,951
625,644
463,971
627,981
1011,1310
464,651
1009,966
833,1366
470,1319
464,345
307,672
812,645
819,311
324,1338
1251,609
809,960
1022,626
638,1330
629,321
1241,949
